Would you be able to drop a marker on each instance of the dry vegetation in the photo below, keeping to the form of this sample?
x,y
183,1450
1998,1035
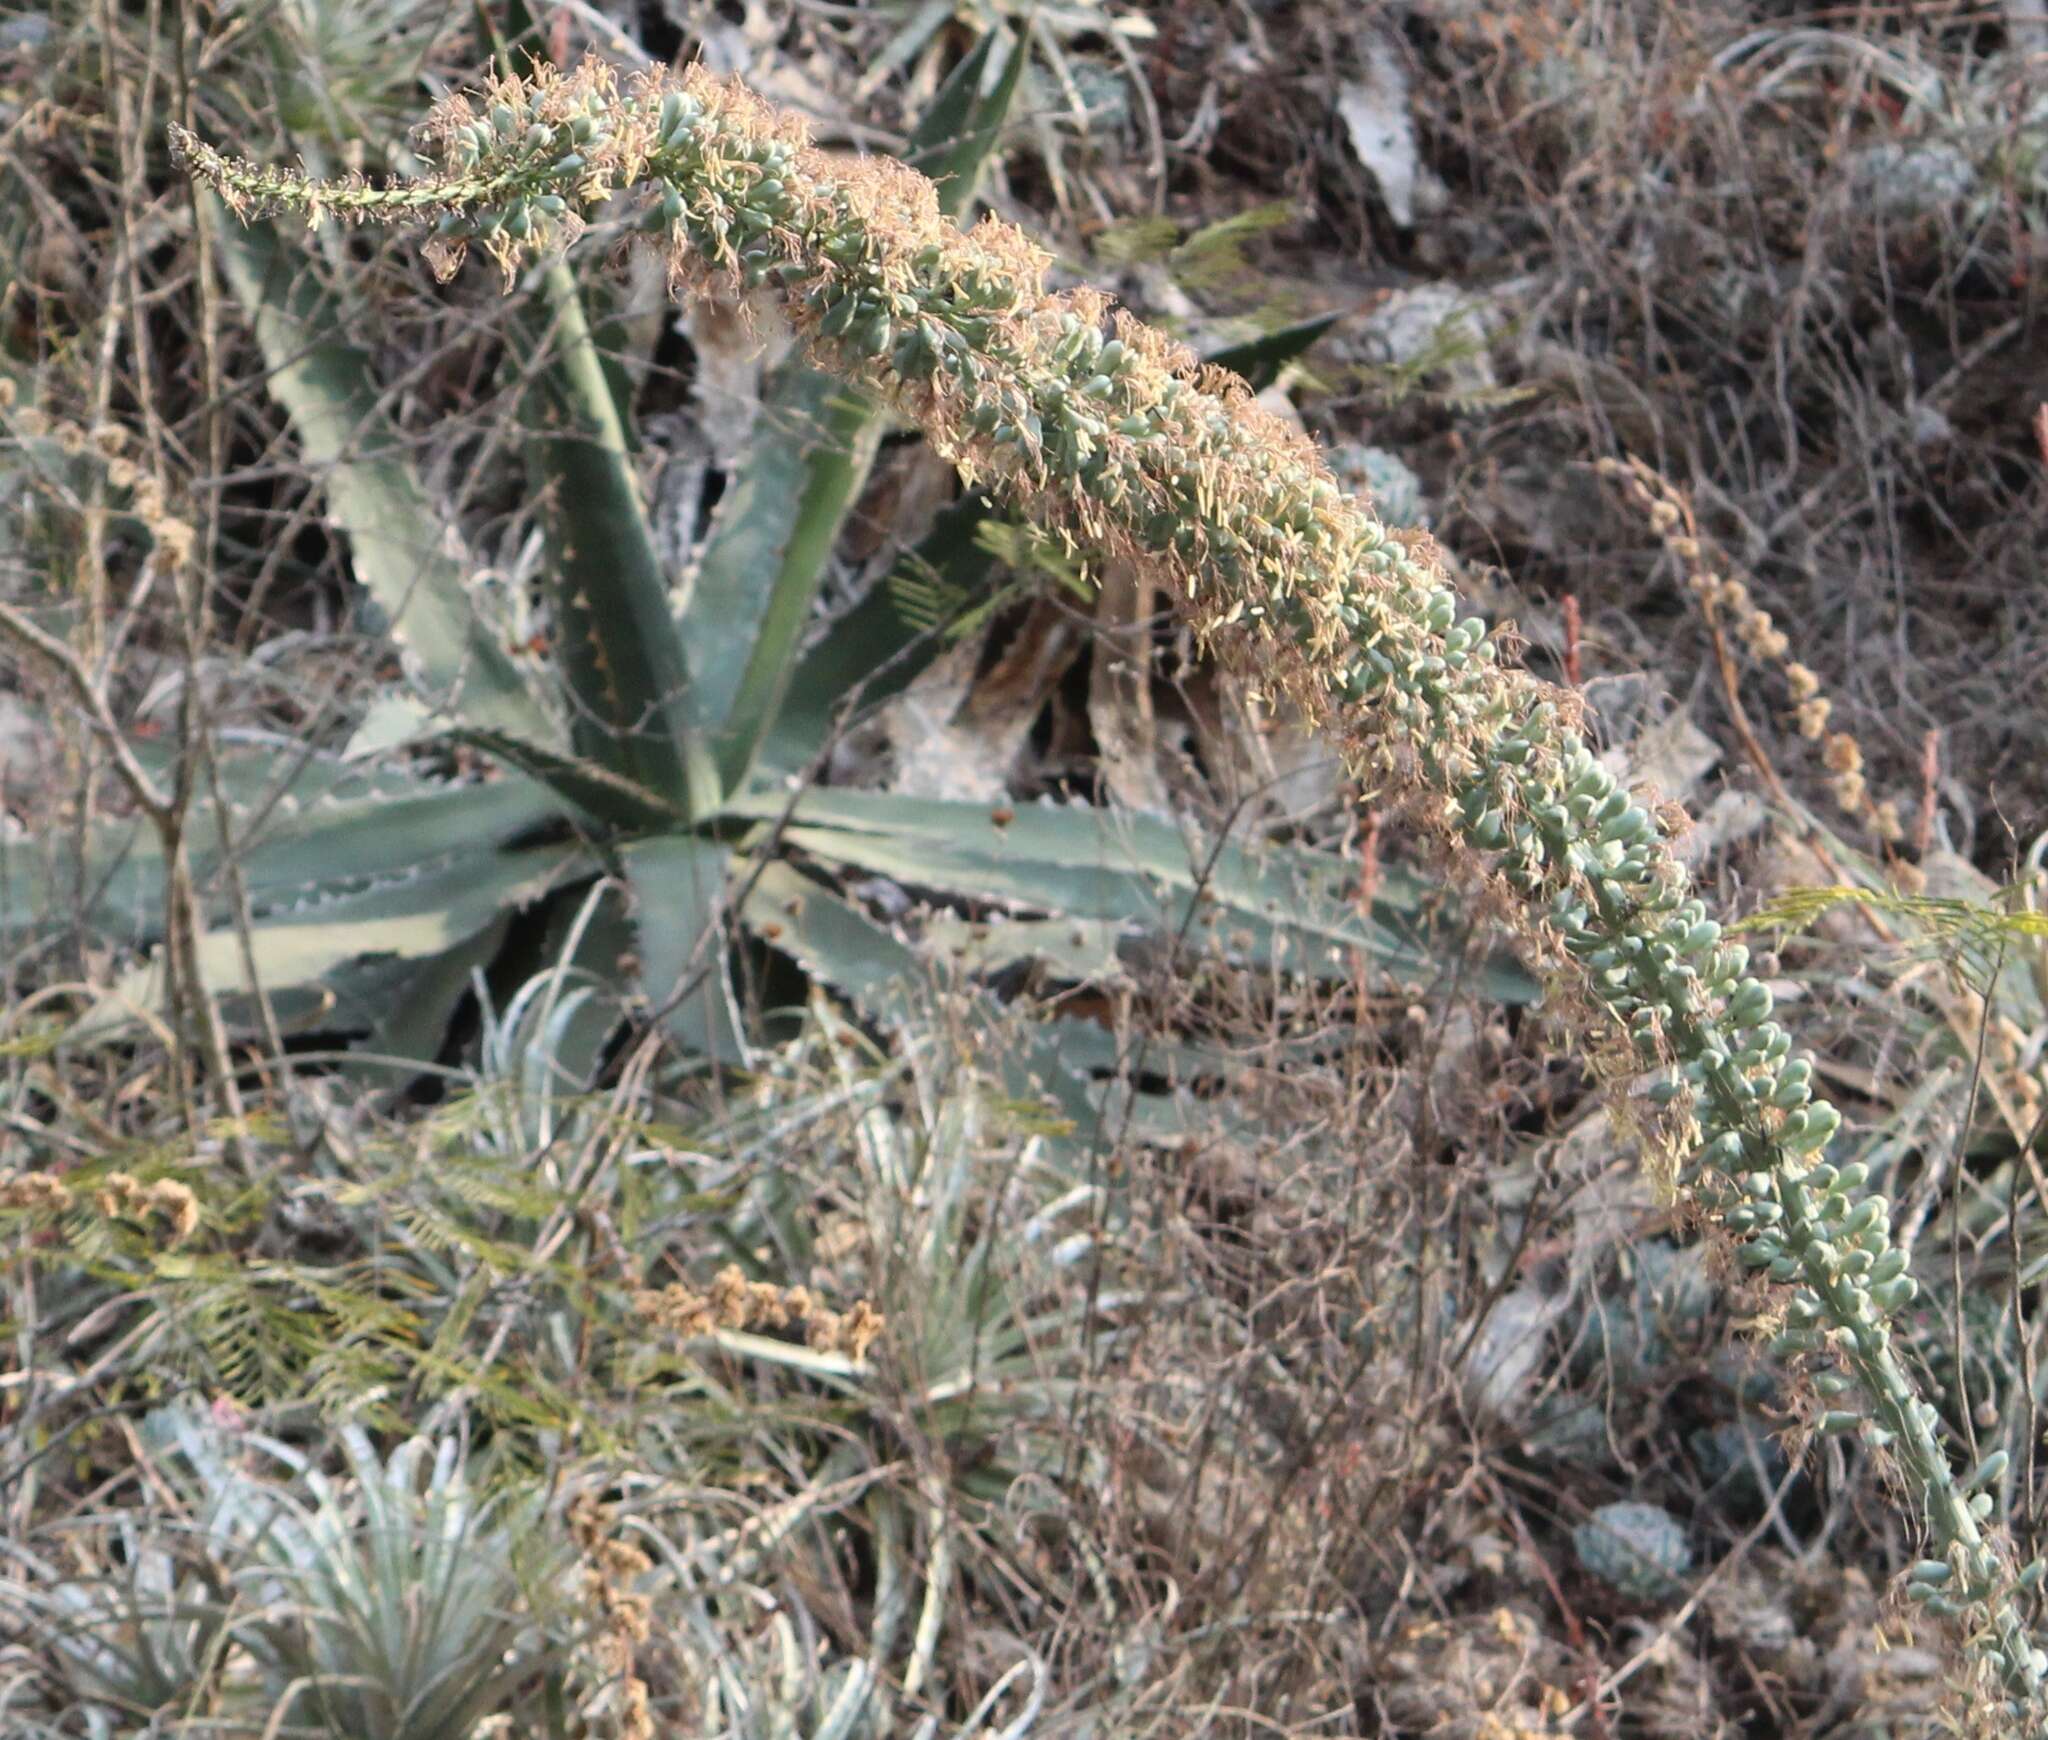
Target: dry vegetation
x,y
1009,1197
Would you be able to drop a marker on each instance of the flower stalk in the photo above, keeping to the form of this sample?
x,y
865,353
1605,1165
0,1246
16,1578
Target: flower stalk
x,y
1092,422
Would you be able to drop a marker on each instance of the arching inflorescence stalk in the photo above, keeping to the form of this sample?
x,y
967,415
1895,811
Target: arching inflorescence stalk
x,y
1093,422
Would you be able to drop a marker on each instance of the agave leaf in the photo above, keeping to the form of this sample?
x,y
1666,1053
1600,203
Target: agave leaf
x,y
519,41
922,25
395,529
412,919
1106,1066
607,798
1073,950
955,135
1283,906
1309,934
1260,360
679,905
393,830
617,639
833,941
410,1005
1072,1067
814,443
874,650
751,599
840,946
330,827
516,38
621,653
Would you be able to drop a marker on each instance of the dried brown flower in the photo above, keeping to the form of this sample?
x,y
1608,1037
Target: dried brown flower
x,y
34,1191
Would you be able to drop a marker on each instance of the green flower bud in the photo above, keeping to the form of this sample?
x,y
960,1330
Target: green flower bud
x,y
839,317
1750,1003
1990,1469
1791,1090
1809,1130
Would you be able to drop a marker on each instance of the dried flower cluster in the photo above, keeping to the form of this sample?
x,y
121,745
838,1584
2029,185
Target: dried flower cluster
x,y
1724,597
734,1302
2008,1074
117,1196
172,537
611,1568
121,1196
1094,424
34,1193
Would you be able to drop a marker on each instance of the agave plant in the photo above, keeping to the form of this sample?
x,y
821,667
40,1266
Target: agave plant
x,y
1117,436
661,775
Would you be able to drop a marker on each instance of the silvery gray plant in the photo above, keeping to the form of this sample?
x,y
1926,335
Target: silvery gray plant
x,y
1099,426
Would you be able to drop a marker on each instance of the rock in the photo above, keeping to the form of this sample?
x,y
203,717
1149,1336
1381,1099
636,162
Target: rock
x,y
1638,1550
1906,180
1394,491
1509,1352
